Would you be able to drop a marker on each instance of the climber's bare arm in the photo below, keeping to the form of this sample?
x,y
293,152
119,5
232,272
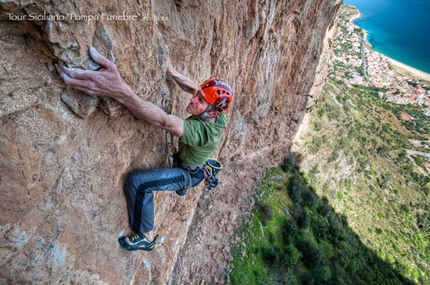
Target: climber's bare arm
x,y
184,82
108,82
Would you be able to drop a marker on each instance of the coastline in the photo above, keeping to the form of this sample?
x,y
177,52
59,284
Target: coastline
x,y
406,69
397,66
354,18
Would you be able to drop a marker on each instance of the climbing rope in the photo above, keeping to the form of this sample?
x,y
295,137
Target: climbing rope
x,y
169,148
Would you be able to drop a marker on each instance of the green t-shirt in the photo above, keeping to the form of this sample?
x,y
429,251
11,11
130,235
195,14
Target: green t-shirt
x,y
200,138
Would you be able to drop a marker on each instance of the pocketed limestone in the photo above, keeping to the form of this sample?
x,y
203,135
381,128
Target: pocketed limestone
x,y
64,155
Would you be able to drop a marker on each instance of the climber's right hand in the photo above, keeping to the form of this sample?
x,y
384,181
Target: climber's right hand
x,y
104,82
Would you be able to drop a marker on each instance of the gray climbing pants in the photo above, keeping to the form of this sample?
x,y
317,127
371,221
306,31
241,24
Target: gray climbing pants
x,y
140,197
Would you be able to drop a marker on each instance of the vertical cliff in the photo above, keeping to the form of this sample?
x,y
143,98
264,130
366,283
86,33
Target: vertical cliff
x,y
64,155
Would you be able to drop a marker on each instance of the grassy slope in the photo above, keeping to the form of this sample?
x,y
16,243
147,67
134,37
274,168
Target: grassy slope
x,y
367,175
354,155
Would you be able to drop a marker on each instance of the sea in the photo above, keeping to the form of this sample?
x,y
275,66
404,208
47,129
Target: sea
x,y
399,29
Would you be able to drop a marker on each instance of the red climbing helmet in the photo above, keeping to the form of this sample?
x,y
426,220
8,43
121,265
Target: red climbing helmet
x,y
217,92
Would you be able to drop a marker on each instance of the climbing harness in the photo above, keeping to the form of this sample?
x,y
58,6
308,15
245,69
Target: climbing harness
x,y
210,170
169,148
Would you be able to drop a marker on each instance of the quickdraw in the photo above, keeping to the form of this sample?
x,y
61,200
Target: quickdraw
x,y
169,148
210,170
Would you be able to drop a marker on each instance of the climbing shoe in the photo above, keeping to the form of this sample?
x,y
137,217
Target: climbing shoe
x,y
137,242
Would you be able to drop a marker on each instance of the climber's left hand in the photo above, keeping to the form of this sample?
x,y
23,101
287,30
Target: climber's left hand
x,y
105,82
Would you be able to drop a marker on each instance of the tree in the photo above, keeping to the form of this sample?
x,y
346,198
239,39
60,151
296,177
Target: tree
x,y
312,256
295,189
289,231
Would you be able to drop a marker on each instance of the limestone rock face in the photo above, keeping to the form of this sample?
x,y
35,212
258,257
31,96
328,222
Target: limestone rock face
x,y
64,155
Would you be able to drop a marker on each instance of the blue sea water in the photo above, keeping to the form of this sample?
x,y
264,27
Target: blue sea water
x,y
399,29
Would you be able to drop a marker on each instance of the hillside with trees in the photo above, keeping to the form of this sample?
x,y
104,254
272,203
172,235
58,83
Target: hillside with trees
x,y
351,203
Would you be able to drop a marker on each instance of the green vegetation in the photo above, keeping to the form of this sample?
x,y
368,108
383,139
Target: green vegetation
x,y
368,175
296,237
355,208
363,172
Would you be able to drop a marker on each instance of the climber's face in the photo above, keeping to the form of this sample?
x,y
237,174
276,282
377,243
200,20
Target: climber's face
x,y
197,104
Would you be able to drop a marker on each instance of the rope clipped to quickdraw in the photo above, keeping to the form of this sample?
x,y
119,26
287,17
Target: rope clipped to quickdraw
x,y
170,148
210,170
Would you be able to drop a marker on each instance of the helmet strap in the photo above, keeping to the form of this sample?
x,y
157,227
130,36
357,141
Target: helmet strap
x,y
205,114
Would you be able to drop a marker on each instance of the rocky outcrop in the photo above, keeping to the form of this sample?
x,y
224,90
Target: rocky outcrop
x,y
64,154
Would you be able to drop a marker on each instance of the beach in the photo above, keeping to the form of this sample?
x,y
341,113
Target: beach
x,y
355,62
406,69
397,66
398,29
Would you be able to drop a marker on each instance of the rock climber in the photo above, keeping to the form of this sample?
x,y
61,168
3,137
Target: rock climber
x,y
199,135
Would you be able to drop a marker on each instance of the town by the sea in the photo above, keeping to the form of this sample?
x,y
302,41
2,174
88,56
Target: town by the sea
x,y
399,29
